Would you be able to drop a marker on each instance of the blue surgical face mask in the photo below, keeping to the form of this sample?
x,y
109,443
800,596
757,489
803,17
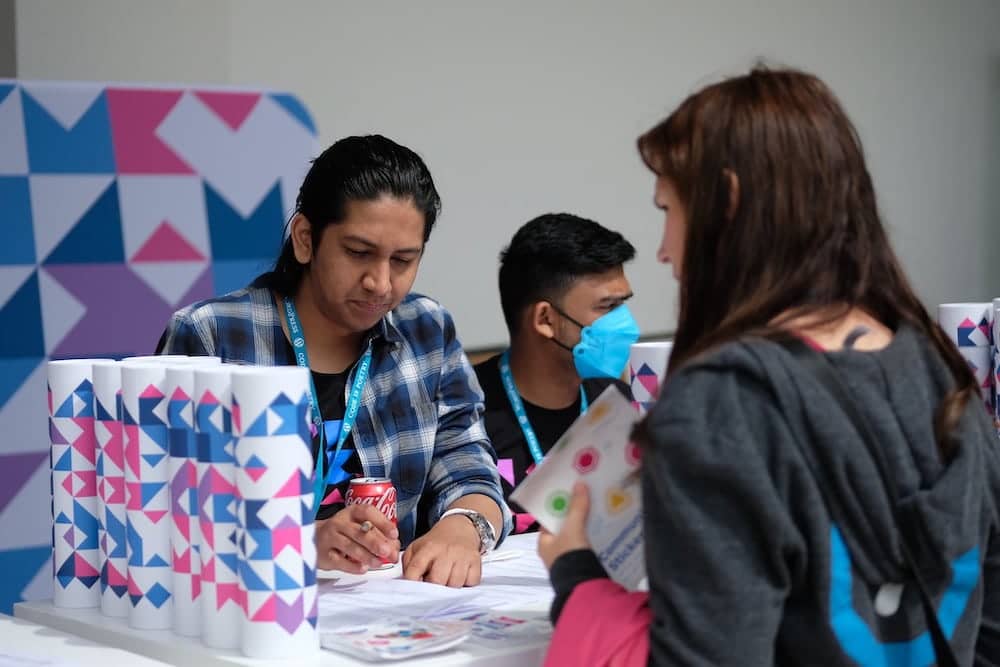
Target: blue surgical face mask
x,y
604,344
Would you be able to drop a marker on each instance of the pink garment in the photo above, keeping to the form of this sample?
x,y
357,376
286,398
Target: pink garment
x,y
602,625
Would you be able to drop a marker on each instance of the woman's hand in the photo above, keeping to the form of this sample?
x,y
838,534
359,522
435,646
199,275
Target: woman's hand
x,y
573,534
356,539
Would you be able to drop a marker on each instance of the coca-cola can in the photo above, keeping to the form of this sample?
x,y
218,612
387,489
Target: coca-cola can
x,y
375,491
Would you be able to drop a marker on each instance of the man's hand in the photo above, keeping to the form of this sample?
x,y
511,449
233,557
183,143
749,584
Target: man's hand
x,y
573,534
356,539
448,554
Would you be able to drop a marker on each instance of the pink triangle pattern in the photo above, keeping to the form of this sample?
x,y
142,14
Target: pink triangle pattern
x,y
226,592
133,498
114,490
182,562
155,515
291,488
135,116
231,108
115,578
179,395
133,587
166,244
132,458
333,497
506,469
523,521
208,571
220,485
86,486
268,612
151,391
86,442
286,537
83,568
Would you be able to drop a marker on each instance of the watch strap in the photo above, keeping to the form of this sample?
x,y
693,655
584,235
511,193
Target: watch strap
x,y
487,534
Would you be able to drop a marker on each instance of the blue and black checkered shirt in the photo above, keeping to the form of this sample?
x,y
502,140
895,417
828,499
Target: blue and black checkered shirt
x,y
420,421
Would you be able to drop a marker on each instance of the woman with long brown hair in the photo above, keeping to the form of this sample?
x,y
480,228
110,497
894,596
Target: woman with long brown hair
x,y
819,484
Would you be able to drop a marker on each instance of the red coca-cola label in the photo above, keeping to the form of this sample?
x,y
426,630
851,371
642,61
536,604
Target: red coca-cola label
x,y
379,493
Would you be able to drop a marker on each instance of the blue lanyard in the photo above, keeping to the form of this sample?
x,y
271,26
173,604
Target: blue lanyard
x,y
350,411
522,417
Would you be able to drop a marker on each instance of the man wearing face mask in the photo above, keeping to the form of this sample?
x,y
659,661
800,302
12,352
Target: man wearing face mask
x,y
563,291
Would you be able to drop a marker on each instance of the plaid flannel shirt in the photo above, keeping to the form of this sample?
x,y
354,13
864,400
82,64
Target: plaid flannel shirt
x,y
420,420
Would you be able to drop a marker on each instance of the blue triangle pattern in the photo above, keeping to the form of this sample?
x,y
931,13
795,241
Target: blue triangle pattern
x,y
157,433
179,444
153,459
149,491
259,426
308,575
158,595
232,561
66,409
116,531
134,546
13,373
86,523
296,109
250,578
283,582
18,246
252,510
127,418
220,509
65,462
85,393
262,536
234,274
83,149
148,417
26,562
157,561
235,237
23,314
97,235
102,413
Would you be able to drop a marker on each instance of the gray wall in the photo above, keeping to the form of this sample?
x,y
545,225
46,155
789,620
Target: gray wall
x,y
522,107
8,48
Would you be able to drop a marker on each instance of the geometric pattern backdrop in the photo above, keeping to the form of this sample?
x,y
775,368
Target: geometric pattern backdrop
x,y
118,204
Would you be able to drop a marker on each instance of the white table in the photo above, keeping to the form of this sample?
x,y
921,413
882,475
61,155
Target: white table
x,y
168,647
25,639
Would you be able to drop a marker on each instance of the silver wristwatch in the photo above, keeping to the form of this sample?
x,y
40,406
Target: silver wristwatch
x,y
487,536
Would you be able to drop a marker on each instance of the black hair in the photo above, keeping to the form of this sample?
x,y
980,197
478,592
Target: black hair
x,y
362,168
548,254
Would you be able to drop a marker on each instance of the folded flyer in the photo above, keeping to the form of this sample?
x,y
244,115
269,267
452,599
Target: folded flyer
x,y
597,450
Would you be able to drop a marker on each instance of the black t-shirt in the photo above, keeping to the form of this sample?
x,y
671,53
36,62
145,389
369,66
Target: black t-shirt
x,y
330,391
514,459
330,387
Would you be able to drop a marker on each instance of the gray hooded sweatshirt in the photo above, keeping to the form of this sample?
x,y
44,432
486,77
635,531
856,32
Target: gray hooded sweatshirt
x,y
747,563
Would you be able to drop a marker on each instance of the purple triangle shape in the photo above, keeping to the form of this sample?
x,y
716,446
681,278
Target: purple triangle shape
x,y
290,616
17,470
106,327
55,437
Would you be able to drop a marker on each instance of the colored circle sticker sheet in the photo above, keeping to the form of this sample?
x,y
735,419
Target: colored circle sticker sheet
x,y
596,450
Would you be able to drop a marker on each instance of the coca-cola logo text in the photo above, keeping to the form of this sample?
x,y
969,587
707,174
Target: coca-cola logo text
x,y
385,503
